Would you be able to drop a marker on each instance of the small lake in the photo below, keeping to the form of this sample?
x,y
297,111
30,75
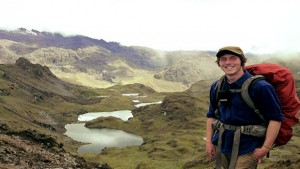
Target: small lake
x,y
145,104
122,114
98,139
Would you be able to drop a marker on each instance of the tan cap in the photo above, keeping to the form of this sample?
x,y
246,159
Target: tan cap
x,y
230,49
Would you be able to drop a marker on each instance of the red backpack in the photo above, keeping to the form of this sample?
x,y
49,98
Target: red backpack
x,y
284,83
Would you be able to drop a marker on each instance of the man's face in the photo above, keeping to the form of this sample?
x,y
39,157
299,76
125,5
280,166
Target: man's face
x,y
230,64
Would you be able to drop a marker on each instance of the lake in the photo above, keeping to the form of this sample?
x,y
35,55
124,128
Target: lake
x,y
98,139
122,114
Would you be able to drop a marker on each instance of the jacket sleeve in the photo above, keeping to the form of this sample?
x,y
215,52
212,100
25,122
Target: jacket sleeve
x,y
267,101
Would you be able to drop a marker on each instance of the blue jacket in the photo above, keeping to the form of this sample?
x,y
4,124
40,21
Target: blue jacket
x,y
237,112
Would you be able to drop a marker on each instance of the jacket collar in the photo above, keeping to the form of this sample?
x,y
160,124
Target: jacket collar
x,y
242,79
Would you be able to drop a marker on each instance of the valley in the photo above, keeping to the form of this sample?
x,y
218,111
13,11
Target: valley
x,y
45,86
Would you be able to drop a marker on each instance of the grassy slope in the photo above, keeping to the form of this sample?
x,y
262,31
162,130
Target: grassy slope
x,y
141,76
172,142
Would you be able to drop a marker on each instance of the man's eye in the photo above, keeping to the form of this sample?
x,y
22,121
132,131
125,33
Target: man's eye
x,y
223,59
233,58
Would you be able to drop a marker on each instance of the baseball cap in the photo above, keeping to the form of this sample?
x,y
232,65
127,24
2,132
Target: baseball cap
x,y
230,50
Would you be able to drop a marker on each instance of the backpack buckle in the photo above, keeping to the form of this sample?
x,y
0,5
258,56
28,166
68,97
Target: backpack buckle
x,y
254,130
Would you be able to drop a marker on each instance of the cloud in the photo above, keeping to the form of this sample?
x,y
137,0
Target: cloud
x,y
255,25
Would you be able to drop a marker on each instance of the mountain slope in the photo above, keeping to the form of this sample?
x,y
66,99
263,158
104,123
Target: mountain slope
x,y
35,105
100,64
96,63
190,70
41,40
32,122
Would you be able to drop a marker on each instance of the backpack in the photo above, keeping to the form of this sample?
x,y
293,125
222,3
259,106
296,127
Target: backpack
x,y
284,83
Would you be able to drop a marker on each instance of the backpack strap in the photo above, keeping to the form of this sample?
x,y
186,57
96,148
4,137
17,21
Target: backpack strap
x,y
244,93
219,86
246,96
252,130
217,89
249,130
235,148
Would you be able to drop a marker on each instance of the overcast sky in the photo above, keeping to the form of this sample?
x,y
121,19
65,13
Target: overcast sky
x,y
254,25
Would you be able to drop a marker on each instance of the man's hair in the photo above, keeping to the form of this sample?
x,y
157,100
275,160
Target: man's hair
x,y
234,50
242,58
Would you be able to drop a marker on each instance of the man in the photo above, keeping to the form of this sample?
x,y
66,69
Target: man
x,y
230,115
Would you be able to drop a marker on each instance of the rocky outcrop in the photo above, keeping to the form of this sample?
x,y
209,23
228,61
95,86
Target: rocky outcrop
x,y
37,70
191,70
30,149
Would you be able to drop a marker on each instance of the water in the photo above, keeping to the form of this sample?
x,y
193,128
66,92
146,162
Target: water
x,y
130,94
145,104
98,139
122,114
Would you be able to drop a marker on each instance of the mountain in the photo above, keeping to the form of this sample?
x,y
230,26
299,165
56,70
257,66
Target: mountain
x,y
97,63
136,56
190,67
32,120
26,88
35,105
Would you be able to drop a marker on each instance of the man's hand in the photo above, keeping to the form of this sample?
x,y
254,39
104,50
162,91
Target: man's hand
x,y
210,150
260,153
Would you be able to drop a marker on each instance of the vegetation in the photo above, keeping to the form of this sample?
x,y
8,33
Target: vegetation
x,y
174,137
34,101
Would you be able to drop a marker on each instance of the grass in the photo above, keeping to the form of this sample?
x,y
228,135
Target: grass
x,y
164,154
147,79
174,143
168,143
171,141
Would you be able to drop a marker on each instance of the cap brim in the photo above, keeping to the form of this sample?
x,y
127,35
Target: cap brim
x,y
223,52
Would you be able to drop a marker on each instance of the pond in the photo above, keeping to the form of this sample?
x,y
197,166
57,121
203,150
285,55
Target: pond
x,y
145,104
98,139
122,114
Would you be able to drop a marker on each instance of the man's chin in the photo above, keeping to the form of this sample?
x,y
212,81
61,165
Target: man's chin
x,y
230,72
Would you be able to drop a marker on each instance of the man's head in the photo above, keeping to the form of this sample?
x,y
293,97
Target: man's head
x,y
234,50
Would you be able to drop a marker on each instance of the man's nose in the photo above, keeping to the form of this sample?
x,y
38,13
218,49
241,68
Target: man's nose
x,y
227,61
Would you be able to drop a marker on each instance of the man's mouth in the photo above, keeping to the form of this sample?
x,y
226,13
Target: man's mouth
x,y
229,67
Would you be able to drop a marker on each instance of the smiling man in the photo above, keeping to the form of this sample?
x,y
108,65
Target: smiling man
x,y
236,136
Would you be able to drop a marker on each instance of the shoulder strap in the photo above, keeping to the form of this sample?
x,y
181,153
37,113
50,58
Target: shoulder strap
x,y
217,100
245,93
219,86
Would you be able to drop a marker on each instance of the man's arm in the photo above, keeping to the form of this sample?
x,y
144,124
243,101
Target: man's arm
x,y
272,132
210,148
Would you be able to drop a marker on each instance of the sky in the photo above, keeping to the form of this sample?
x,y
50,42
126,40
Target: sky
x,y
261,26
